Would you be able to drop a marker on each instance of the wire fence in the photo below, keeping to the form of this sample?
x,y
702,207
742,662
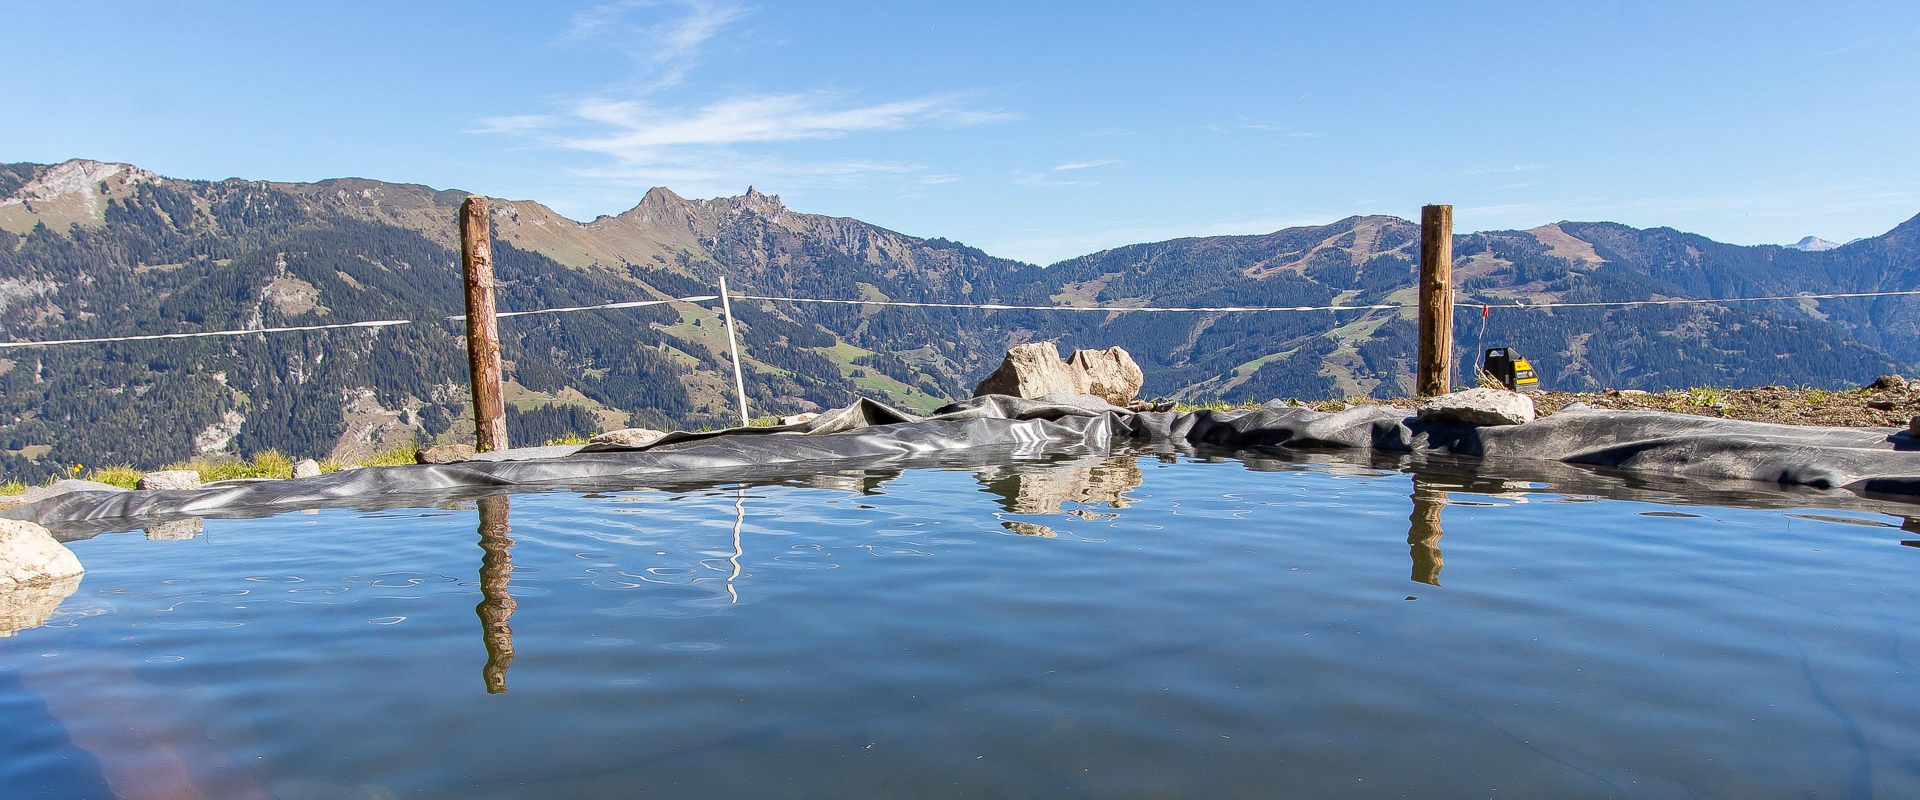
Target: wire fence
x,y
707,298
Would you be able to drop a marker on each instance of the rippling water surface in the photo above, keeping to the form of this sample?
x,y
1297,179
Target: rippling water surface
x,y
1106,627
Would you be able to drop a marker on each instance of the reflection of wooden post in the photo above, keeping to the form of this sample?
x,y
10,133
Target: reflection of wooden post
x,y
1423,534
483,328
497,605
1435,374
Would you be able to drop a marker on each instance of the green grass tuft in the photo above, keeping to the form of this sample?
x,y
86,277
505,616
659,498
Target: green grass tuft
x,y
124,476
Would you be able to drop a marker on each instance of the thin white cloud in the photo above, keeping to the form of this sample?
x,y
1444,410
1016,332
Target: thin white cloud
x,y
1098,162
1503,170
1045,180
668,44
710,148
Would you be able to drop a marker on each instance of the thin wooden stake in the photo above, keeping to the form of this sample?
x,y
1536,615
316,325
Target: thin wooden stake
x,y
733,344
483,328
1435,374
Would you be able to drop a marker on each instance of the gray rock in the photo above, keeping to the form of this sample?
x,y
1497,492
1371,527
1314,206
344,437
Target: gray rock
x,y
1112,374
800,419
29,554
444,454
170,479
1479,407
1888,382
1031,370
69,486
629,437
176,530
1880,405
1633,392
306,468
1034,370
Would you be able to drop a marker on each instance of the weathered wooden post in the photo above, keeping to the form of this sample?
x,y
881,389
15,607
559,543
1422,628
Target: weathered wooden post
x,y
483,328
1435,374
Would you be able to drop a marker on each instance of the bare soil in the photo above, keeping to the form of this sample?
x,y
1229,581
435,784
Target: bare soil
x,y
1891,402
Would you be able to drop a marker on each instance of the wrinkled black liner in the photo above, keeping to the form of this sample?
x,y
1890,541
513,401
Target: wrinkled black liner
x,y
1632,455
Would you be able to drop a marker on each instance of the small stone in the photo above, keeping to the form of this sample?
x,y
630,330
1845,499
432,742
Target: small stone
x,y
1880,405
306,468
629,437
1479,407
800,419
1633,392
29,554
174,479
1888,382
444,454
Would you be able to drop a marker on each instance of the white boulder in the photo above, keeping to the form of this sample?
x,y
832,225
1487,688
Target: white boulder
x,y
170,479
1034,369
1481,406
629,437
1112,374
28,554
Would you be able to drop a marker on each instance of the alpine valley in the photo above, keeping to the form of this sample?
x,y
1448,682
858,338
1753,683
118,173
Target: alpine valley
x,y
91,249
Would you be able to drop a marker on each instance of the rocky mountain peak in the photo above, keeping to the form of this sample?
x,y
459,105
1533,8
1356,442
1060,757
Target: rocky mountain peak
x,y
79,176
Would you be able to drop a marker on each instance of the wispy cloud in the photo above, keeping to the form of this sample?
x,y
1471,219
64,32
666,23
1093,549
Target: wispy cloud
x,y
1045,180
1098,162
650,33
719,144
713,146
1846,48
1497,170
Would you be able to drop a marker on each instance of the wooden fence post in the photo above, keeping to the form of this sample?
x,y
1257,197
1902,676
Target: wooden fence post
x,y
483,328
1435,374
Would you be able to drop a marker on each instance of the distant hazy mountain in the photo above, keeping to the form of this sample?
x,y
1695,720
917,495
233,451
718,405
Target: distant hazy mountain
x,y
1814,244
94,249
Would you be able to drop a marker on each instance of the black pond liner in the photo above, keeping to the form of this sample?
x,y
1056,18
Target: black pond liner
x,y
1652,456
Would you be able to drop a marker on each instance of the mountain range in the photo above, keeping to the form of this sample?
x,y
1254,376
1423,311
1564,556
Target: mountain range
x,y
93,249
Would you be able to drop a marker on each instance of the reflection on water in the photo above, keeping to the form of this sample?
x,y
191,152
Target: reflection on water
x,y
1036,488
30,605
176,529
1423,531
497,604
1193,627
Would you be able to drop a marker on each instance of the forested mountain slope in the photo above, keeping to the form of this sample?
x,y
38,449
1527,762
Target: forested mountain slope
x,y
93,249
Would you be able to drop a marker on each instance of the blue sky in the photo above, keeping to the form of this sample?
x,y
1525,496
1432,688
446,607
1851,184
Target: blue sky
x,y
1036,131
